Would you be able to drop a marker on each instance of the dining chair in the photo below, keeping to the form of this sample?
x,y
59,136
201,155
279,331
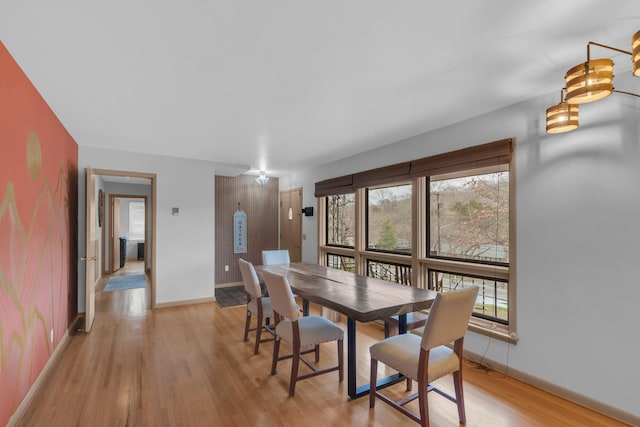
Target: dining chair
x,y
303,334
427,358
257,305
277,256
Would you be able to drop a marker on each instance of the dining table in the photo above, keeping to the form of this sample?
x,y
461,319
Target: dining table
x,y
360,298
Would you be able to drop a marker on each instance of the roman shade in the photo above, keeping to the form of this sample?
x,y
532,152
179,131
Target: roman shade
x,y
490,154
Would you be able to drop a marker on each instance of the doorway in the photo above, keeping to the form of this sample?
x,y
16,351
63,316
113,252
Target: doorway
x,y
96,180
125,236
291,223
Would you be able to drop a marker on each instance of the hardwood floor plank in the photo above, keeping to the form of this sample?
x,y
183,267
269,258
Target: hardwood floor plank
x,y
188,366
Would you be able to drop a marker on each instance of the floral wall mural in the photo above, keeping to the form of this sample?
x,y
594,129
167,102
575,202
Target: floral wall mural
x,y
38,217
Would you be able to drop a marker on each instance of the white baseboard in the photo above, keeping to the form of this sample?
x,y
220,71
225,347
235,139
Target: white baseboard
x,y
562,392
185,302
20,411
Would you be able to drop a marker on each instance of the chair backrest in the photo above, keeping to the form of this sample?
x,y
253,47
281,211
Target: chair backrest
x,y
250,278
282,299
449,317
275,257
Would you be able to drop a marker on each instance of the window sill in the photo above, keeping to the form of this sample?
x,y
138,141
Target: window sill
x,y
494,332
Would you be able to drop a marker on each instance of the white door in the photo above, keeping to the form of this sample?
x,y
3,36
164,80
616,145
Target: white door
x,y
115,234
91,245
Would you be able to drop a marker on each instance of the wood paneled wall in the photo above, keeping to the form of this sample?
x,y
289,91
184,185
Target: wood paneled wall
x,y
260,203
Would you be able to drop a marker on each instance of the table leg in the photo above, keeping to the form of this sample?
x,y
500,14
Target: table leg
x,y
402,323
305,308
352,389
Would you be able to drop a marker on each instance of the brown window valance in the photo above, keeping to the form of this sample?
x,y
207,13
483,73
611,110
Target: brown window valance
x,y
383,175
334,186
490,154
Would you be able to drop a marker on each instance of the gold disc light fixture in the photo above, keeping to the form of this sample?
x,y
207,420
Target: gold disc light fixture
x,y
635,48
588,82
562,117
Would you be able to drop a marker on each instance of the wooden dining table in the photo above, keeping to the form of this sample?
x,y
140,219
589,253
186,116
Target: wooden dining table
x,y
360,298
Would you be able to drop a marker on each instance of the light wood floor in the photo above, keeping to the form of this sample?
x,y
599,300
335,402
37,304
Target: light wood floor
x,y
188,366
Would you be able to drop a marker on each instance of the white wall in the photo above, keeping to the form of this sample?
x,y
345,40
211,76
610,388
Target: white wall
x,y
578,239
184,243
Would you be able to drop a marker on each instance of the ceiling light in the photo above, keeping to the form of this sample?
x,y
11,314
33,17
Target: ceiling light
x,y
635,58
562,117
588,82
263,178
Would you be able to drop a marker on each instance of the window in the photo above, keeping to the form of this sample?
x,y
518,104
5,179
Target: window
x,y
389,219
341,220
469,217
136,220
442,222
392,272
341,262
492,302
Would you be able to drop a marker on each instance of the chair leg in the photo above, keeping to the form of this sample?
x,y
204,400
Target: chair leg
x,y
256,347
409,384
373,379
457,384
340,360
276,351
423,390
317,352
295,363
246,326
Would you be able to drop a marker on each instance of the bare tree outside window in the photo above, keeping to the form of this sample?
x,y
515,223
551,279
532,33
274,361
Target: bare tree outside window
x,y
341,220
469,217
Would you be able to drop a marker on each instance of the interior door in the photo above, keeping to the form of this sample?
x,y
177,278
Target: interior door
x,y
91,245
291,223
115,234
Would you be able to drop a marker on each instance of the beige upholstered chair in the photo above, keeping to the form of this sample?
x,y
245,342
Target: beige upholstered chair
x,y
303,334
279,256
257,305
428,358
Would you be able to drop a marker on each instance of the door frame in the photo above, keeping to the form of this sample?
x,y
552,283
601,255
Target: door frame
x,y
90,215
109,239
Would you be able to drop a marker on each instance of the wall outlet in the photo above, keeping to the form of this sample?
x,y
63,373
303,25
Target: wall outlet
x,y
226,268
51,336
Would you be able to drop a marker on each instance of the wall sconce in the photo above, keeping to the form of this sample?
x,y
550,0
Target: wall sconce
x,y
308,211
263,178
588,82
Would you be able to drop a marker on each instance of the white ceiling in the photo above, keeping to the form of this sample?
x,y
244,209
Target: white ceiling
x,y
296,83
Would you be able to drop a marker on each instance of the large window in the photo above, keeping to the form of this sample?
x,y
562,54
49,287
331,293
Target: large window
x,y
389,219
340,220
469,216
443,222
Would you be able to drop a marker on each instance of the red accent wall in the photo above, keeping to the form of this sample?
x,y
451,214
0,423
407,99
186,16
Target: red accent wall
x,y
38,224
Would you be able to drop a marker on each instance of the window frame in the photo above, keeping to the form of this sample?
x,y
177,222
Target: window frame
x,y
366,216
494,155
326,219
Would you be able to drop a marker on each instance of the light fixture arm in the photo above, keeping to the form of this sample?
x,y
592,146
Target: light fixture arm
x,y
626,93
604,46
